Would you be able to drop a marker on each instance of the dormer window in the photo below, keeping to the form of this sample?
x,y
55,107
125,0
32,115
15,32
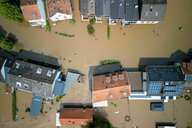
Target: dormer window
x,y
39,71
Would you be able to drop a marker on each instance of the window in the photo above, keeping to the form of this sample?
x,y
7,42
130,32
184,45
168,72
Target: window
x,y
26,86
49,73
18,84
39,71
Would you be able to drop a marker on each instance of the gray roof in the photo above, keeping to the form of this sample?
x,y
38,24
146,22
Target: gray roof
x,y
102,8
33,72
59,88
32,56
71,79
135,81
117,9
153,10
36,105
131,10
165,73
87,7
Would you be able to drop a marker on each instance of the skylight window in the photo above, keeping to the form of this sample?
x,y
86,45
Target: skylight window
x,y
39,71
49,73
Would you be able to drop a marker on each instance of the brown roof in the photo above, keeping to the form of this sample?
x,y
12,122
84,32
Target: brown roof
x,y
30,12
135,81
186,67
110,86
61,6
77,116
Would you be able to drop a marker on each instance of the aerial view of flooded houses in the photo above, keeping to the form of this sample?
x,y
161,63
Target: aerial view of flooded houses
x,y
95,64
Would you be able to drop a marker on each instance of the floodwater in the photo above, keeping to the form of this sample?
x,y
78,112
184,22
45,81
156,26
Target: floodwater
x,y
126,44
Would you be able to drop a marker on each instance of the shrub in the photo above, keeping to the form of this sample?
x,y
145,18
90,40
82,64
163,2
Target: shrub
x,y
90,29
108,31
92,21
14,106
48,26
65,34
72,21
7,44
105,62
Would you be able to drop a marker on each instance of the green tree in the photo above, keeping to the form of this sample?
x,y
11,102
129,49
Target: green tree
x,y
7,44
92,21
48,26
90,29
10,10
99,122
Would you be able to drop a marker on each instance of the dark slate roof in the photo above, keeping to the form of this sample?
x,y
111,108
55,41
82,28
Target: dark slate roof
x,y
28,55
5,54
102,69
84,7
153,10
117,9
131,10
59,88
165,73
102,8
36,105
33,72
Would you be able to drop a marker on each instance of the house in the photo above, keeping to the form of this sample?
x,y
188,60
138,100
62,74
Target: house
x,y
164,81
87,9
74,115
33,12
109,86
102,9
59,10
152,11
117,13
131,12
33,78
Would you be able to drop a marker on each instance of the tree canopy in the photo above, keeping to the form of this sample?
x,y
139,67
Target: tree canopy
x,y
99,122
10,10
7,44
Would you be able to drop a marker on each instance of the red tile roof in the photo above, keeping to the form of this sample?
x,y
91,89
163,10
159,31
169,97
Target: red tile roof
x,y
31,12
61,6
110,86
77,116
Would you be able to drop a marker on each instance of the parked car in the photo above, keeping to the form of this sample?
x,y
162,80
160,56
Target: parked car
x,y
156,106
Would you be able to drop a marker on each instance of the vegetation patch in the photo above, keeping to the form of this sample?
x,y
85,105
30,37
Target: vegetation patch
x,y
105,62
108,31
72,21
99,122
10,9
90,29
92,21
58,98
6,44
14,106
48,26
65,34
